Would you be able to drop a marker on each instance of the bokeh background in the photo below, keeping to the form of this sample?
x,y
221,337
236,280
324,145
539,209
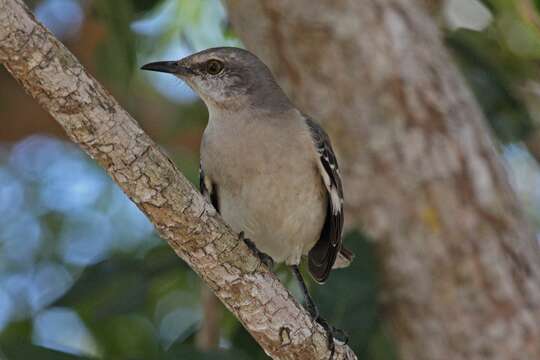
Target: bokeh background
x,y
82,272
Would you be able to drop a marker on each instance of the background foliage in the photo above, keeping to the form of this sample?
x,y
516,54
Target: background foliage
x,y
83,275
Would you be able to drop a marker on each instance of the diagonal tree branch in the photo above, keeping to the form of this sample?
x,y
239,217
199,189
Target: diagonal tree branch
x,y
95,121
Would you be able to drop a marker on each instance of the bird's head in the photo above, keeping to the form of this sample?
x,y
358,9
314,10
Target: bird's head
x,y
226,77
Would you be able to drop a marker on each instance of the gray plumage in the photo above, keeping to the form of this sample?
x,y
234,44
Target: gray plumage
x,y
268,169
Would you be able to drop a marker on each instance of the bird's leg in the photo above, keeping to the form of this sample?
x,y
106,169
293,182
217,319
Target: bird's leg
x,y
310,304
331,332
265,258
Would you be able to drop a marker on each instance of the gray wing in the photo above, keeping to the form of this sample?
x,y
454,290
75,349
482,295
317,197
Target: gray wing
x,y
208,189
322,256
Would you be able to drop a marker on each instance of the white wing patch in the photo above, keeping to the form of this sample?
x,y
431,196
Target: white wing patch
x,y
335,198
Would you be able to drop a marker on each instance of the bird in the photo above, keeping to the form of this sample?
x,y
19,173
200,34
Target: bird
x,y
267,168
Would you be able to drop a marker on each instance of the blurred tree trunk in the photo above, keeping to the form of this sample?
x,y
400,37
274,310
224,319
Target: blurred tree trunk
x,y
208,335
422,175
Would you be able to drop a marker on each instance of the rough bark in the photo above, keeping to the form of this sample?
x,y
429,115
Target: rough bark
x,y
421,173
95,121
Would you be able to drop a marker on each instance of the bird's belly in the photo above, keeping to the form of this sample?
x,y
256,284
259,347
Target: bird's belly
x,y
284,221
270,188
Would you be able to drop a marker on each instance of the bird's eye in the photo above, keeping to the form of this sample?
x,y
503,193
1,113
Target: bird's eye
x,y
214,67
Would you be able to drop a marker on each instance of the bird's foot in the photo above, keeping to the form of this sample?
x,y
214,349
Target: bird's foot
x,y
332,333
265,258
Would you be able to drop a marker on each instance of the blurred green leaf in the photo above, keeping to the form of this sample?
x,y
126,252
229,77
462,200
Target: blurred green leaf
x,y
380,346
116,56
25,351
143,6
128,337
491,79
15,333
189,352
242,340
96,293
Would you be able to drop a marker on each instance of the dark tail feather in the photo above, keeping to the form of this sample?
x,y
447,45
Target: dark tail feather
x,y
320,261
344,258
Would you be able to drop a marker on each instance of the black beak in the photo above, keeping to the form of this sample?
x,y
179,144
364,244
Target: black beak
x,y
170,67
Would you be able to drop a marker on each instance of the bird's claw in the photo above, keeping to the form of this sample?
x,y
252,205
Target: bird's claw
x,y
331,333
265,258
329,336
340,335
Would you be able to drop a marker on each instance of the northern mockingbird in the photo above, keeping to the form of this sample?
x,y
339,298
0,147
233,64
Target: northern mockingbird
x,y
268,169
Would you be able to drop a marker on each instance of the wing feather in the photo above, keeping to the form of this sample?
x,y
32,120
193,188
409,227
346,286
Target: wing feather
x,y
208,189
323,255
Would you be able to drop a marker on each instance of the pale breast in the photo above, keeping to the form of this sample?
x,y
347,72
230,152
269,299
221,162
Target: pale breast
x,y
268,185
